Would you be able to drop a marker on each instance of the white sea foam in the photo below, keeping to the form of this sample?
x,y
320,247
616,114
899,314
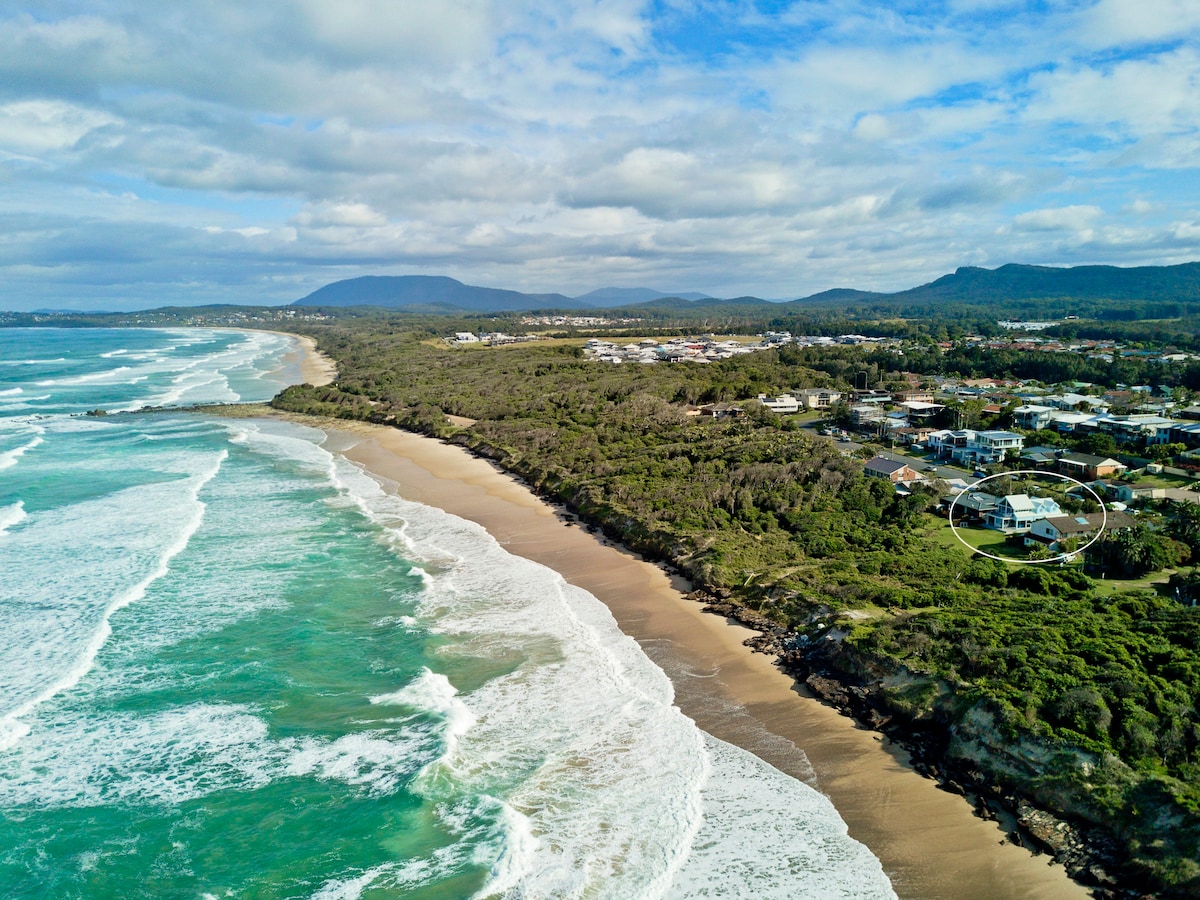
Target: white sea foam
x,y
433,692
68,666
11,392
11,515
192,751
613,792
111,353
9,458
32,362
108,377
763,831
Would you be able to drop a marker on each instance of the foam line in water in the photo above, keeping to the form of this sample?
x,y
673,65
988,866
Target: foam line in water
x,y
433,692
90,378
11,728
9,458
11,515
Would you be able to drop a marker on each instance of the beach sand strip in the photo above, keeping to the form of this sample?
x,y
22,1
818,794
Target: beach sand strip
x,y
930,843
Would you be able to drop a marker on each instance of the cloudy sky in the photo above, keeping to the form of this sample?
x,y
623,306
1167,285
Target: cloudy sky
x,y
158,153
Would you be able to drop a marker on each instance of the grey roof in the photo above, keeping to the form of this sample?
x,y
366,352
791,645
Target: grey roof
x,y
885,466
975,501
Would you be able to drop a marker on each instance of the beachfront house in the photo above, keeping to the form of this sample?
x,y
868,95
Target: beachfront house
x,y
1056,532
971,508
1018,512
894,470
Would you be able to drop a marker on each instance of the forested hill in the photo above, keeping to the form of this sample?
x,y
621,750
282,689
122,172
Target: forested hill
x,y
1014,291
1158,284
430,293
440,294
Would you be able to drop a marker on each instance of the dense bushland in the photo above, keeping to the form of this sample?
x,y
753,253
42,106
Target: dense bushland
x,y
1107,685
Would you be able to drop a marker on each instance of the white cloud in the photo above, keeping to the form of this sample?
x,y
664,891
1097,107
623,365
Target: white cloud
x,y
1063,218
345,215
38,126
543,145
1123,22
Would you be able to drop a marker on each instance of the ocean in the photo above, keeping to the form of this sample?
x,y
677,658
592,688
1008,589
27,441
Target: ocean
x,y
234,665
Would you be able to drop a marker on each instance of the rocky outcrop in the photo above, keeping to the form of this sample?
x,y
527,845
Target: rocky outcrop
x,y
965,753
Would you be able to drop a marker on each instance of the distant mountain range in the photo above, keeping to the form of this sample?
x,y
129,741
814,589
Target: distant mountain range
x,y
425,293
437,293
1016,282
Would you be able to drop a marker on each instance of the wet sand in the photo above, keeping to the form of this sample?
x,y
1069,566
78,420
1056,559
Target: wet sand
x,y
930,843
316,368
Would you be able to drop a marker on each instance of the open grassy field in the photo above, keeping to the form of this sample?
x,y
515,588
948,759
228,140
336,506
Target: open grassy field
x,y
983,539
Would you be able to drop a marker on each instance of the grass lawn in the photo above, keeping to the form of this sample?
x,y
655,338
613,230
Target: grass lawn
x,y
1166,481
1107,586
993,542
984,539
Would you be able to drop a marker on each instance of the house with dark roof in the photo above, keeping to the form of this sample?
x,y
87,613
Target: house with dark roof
x,y
722,410
1039,457
970,508
1054,532
893,470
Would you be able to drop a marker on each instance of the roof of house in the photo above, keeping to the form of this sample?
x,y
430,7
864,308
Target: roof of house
x,y
1023,503
1085,524
884,466
1087,459
974,501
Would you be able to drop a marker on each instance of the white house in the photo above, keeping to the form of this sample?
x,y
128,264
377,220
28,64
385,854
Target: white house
x,y
987,447
783,404
1018,512
818,398
1032,416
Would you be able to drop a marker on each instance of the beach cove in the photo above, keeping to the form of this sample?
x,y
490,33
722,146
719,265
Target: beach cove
x,y
929,841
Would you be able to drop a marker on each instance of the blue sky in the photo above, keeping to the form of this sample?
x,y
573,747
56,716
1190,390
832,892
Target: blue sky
x,y
157,154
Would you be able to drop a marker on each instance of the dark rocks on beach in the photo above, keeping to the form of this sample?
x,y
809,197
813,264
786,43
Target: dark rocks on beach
x,y
835,675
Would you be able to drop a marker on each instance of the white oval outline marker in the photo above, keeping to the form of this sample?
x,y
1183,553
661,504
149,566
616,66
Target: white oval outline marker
x,y
1062,557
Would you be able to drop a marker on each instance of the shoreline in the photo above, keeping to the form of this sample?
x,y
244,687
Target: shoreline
x,y
316,368
930,842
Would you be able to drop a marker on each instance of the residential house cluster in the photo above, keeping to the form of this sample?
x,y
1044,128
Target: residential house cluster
x,y
1040,519
709,349
648,350
974,448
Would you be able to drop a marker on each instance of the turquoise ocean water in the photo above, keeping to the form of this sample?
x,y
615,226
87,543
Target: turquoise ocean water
x,y
233,665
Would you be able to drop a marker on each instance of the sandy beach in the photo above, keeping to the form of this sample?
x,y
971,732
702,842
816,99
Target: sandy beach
x,y
930,843
316,368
